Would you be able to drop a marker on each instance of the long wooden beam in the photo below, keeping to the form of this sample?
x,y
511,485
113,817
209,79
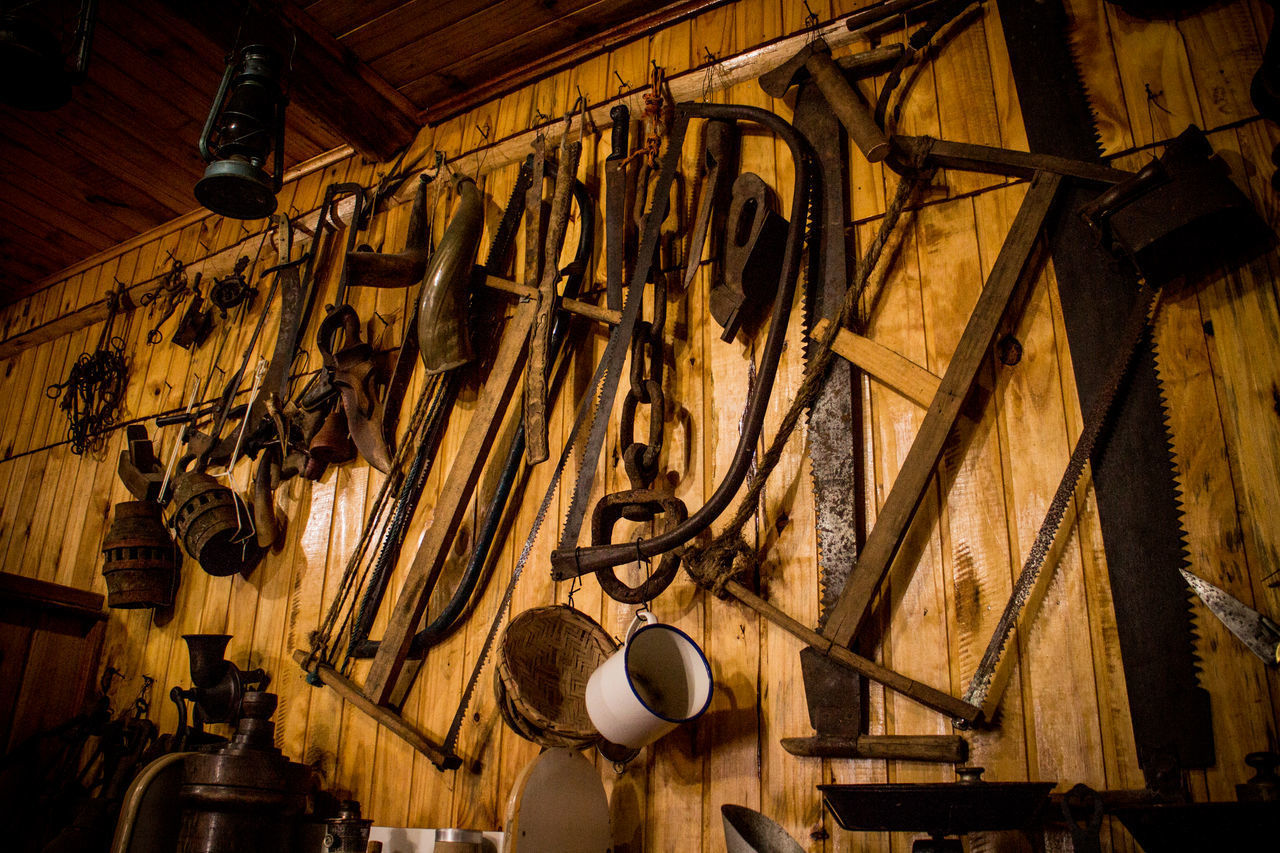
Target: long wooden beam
x,y
349,691
899,508
451,506
930,697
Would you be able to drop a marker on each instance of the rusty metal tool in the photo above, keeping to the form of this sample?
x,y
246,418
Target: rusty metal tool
x,y
834,693
402,269
615,206
570,561
719,164
605,386
535,375
754,240
1256,631
981,690
904,496
1143,539
138,467
844,98
399,269
353,371
914,151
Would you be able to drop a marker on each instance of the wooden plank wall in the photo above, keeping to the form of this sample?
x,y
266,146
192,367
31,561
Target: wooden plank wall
x,y
1064,713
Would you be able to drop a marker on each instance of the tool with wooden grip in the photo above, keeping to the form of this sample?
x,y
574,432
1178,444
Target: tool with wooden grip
x,y
845,100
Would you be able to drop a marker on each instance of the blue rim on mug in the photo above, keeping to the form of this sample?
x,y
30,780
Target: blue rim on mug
x,y
711,684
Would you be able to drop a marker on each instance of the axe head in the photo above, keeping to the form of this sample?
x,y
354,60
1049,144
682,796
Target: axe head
x,y
775,83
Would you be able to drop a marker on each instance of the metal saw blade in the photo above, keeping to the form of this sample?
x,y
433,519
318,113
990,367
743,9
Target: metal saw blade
x,y
835,422
1139,503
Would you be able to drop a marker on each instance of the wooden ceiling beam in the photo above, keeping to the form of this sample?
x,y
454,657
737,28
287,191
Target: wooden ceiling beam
x,y
445,108
328,81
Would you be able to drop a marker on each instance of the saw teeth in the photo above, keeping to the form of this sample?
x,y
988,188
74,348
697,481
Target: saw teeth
x,y
1197,637
1166,418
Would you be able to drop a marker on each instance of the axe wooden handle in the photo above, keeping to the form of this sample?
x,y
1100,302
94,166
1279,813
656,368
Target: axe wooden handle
x,y
930,697
946,749
848,105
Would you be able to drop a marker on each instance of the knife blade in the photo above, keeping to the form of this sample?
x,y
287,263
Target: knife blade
x,y
1256,631
615,206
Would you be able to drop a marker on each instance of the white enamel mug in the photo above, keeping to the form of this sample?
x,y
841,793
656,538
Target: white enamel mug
x,y
656,681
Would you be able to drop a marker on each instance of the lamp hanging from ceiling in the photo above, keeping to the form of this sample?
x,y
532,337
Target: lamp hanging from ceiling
x,y
33,72
244,129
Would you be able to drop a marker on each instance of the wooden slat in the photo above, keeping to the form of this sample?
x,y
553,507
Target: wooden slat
x,y
456,491
475,29
340,17
628,29
899,373
405,24
86,605
891,525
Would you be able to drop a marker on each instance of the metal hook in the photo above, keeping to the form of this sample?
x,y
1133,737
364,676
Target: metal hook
x,y
1152,96
810,19
623,85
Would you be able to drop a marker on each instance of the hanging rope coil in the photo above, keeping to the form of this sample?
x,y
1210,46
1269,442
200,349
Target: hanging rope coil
x,y
94,389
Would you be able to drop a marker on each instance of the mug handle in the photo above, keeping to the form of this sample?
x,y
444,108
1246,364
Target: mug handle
x,y
642,616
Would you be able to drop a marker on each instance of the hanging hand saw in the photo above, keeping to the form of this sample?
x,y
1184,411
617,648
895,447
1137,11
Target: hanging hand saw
x,y
615,354
982,691
1133,477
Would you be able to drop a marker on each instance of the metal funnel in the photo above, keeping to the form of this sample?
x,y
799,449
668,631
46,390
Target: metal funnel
x,y
748,831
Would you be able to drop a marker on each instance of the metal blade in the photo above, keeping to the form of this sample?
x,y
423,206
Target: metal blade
x,y
835,422
455,728
979,690
604,388
615,207
495,262
720,165
1256,631
1143,540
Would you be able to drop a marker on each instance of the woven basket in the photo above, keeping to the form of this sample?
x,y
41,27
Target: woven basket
x,y
528,731
544,660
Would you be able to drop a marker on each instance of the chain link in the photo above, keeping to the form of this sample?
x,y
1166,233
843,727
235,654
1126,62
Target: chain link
x,y
648,354
641,503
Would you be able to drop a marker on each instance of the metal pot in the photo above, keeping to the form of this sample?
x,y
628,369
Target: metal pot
x,y
213,525
141,559
247,795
